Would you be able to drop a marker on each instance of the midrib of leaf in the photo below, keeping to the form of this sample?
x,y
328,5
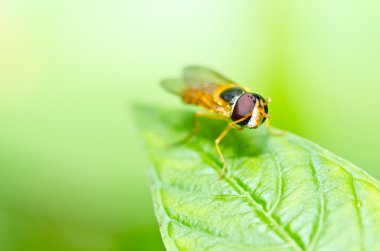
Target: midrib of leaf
x,y
157,192
292,243
240,189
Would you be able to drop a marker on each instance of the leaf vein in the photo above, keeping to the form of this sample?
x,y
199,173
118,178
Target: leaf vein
x,y
332,158
321,218
280,185
352,180
358,212
288,236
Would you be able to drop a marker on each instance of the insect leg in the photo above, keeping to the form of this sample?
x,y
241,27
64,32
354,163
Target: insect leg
x,y
217,141
238,128
196,126
204,115
231,125
274,132
261,107
266,115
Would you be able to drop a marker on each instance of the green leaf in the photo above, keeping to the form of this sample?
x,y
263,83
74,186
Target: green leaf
x,y
280,192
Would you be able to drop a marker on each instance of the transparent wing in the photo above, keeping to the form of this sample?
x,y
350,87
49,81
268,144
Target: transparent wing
x,y
204,78
175,86
196,78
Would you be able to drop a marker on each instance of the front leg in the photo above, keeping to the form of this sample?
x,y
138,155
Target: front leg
x,y
231,125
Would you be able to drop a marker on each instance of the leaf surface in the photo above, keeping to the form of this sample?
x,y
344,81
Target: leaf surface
x,y
280,192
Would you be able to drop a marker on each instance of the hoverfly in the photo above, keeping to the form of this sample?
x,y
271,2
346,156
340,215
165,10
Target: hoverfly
x,y
226,99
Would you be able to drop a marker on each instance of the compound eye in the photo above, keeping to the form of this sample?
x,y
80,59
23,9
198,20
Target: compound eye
x,y
243,106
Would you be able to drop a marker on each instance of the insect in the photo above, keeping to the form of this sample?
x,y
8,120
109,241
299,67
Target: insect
x,y
224,98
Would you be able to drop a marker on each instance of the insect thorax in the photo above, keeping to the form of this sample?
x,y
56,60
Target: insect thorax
x,y
231,94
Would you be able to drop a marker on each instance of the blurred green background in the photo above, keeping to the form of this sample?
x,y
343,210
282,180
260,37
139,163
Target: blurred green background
x,y
72,171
